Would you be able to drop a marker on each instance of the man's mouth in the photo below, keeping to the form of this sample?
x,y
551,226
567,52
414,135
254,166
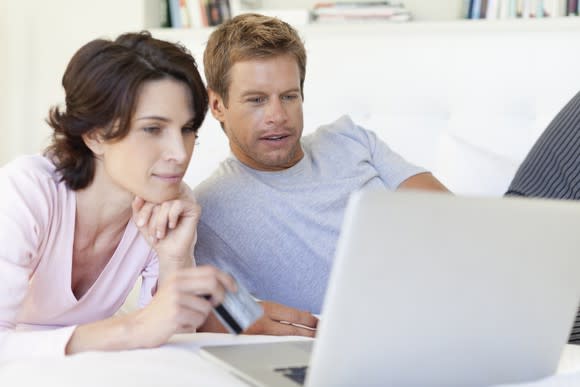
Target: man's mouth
x,y
274,137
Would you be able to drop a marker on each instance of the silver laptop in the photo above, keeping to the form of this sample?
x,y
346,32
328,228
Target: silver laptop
x,y
435,290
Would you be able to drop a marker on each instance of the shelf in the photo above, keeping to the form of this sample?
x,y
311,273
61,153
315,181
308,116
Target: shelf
x,y
545,24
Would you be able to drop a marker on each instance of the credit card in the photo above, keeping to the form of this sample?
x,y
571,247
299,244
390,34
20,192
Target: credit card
x,y
238,311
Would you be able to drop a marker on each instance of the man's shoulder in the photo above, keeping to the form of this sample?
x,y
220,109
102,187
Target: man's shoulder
x,y
222,183
342,131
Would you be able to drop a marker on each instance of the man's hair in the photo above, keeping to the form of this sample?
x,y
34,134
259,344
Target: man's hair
x,y
101,83
245,37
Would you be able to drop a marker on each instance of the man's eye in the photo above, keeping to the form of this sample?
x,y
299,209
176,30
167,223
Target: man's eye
x,y
290,97
256,99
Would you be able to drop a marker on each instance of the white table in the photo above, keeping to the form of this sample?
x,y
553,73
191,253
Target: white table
x,y
178,363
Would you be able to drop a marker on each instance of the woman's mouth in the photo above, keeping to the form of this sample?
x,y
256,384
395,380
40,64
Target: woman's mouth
x,y
169,178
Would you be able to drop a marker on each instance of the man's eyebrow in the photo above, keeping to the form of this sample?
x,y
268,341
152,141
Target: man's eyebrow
x,y
250,92
254,92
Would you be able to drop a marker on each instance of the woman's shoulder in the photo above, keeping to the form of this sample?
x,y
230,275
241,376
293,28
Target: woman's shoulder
x,y
30,167
29,174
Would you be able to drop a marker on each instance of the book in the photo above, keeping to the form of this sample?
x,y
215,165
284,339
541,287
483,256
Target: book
x,y
492,9
540,8
214,12
196,12
572,7
377,11
465,12
504,9
179,14
513,9
476,8
483,10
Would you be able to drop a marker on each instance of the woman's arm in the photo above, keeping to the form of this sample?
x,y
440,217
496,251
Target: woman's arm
x,y
178,306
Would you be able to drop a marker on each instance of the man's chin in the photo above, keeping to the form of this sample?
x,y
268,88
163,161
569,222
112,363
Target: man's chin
x,y
281,163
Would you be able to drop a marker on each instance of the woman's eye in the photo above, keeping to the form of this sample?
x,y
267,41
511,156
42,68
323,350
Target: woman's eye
x,y
189,129
151,129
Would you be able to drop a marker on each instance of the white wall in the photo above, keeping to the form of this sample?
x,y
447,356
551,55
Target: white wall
x,y
37,39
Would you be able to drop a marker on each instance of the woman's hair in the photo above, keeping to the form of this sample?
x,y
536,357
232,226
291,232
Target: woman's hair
x,y
245,37
101,85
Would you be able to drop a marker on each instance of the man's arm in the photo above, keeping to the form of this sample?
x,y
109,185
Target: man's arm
x,y
423,181
278,320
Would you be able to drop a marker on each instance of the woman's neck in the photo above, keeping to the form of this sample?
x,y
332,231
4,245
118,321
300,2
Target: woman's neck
x,y
102,208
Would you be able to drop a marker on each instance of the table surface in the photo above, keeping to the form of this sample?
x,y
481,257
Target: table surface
x,y
179,363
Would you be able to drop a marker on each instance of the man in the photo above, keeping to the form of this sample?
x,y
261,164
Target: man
x,y
552,168
272,212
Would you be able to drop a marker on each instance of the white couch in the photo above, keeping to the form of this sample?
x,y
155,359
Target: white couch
x,y
465,99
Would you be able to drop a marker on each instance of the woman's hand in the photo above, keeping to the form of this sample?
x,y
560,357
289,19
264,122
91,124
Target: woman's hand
x,y
183,303
170,227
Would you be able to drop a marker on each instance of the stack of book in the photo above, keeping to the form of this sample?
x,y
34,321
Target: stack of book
x,y
197,13
507,9
359,11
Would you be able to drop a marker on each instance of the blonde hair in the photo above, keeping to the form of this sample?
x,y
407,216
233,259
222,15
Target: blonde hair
x,y
249,36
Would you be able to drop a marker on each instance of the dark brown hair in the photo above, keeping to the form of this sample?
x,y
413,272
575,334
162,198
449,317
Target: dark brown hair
x,y
101,85
249,36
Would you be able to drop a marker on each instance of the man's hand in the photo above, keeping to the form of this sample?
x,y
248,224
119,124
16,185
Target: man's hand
x,y
423,181
278,320
281,320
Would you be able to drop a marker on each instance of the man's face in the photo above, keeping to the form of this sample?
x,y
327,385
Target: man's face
x,y
263,118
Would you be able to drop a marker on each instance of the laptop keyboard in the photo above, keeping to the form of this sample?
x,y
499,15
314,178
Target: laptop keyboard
x,y
296,374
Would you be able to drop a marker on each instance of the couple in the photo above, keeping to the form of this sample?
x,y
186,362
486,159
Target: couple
x,y
106,203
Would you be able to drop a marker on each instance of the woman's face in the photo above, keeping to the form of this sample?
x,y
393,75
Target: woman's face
x,y
151,160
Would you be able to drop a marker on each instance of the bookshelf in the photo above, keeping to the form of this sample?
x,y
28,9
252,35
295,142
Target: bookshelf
x,y
422,11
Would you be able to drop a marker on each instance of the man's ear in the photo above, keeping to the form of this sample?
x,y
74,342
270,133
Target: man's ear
x,y
216,105
94,142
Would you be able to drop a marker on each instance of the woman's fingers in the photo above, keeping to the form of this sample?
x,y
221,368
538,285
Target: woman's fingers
x,y
207,281
152,225
161,220
173,213
143,214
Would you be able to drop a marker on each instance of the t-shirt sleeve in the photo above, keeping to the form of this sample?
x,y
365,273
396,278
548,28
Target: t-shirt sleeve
x,y
24,213
392,167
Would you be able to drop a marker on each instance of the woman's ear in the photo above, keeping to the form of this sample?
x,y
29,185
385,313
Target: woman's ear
x,y
94,141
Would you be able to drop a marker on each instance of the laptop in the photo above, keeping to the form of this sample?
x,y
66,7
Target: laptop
x,y
431,289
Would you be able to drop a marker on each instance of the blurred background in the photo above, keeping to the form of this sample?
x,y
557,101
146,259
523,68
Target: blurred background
x,y
37,39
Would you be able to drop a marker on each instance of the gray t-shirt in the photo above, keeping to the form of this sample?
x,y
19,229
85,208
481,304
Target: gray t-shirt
x,y
276,232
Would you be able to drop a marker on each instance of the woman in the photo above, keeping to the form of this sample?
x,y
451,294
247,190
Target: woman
x,y
105,204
